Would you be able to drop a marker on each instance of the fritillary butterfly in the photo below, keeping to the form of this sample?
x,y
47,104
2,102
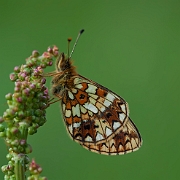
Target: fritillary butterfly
x,y
95,117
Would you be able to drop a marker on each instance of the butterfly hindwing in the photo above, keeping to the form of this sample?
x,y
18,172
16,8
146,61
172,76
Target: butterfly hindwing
x,y
125,141
98,119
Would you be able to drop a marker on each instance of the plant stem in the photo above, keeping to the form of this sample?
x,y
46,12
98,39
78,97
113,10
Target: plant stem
x,y
19,167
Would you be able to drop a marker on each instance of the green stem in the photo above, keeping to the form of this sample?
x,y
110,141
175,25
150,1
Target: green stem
x,y
20,158
19,166
23,127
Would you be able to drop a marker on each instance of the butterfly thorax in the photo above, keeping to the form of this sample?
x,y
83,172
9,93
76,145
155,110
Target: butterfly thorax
x,y
63,77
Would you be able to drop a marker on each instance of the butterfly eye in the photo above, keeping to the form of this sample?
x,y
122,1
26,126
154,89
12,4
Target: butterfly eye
x,y
57,89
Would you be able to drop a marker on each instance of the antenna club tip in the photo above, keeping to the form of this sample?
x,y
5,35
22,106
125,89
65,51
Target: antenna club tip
x,y
81,31
69,39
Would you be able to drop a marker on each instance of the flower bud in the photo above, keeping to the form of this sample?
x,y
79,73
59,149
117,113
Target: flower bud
x,y
35,53
13,76
17,69
8,96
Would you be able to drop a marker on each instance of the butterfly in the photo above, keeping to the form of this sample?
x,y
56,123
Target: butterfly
x,y
95,117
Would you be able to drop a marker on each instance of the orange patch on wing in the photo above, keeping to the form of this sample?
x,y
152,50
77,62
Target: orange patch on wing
x,y
64,99
68,105
74,102
69,120
84,86
101,92
82,97
76,119
85,116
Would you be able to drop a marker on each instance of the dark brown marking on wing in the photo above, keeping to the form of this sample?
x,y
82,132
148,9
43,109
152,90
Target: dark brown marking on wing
x,y
81,96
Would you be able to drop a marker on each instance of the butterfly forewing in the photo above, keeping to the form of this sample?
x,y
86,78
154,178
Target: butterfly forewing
x,y
98,119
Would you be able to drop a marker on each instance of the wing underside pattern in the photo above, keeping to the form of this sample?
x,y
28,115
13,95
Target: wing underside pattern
x,y
98,119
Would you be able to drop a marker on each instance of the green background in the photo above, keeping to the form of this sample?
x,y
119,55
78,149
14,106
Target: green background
x,y
131,47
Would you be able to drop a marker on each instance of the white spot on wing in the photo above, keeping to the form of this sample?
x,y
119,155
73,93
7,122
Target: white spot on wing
x,y
74,90
83,110
93,95
79,86
107,103
99,137
76,125
77,81
93,101
108,131
90,107
64,107
123,107
68,113
122,116
76,110
110,97
102,109
85,120
100,106
91,89
70,95
90,113
70,129
89,139
116,125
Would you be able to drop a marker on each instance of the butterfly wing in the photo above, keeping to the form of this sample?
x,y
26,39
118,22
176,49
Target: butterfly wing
x,y
125,141
98,119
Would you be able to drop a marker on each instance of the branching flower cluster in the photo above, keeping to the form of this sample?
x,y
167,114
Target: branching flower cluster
x,y
25,114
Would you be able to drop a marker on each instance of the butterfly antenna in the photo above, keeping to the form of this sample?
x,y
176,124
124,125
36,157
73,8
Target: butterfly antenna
x,y
80,32
69,40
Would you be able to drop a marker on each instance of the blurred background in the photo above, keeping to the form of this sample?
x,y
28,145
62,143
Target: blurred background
x,y
130,47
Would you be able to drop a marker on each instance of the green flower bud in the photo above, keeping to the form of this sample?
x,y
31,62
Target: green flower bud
x,y
8,96
8,133
15,149
14,130
35,53
17,94
38,86
38,112
32,130
26,159
15,142
1,119
9,156
42,121
20,114
27,71
2,134
21,149
2,128
4,168
43,65
28,149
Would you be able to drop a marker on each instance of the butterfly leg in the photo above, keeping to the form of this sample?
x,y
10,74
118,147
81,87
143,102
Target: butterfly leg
x,y
52,102
50,74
